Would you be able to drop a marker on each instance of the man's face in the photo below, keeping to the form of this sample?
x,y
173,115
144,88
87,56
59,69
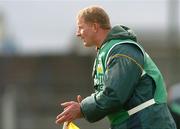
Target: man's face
x,y
86,32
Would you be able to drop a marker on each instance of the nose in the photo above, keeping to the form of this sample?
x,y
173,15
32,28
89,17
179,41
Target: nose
x,y
77,33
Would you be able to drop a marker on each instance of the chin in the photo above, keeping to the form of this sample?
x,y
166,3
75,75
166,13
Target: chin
x,y
86,44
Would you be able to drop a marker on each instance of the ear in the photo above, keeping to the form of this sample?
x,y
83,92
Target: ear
x,y
95,27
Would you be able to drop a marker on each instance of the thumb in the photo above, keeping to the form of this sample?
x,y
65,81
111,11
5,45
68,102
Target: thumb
x,y
79,98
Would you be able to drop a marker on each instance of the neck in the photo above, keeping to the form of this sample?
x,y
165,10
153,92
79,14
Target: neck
x,y
101,37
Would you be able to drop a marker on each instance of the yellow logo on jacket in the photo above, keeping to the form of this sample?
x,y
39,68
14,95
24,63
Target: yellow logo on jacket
x,y
100,68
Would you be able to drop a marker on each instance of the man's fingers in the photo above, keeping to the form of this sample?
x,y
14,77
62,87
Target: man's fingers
x,y
71,111
64,118
66,104
65,112
79,98
61,120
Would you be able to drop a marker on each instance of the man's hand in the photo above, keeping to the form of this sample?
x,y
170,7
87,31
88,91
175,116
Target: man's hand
x,y
72,111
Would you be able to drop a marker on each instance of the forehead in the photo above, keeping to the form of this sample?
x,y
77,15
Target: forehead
x,y
80,21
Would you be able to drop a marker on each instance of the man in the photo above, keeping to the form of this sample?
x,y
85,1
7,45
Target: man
x,y
129,88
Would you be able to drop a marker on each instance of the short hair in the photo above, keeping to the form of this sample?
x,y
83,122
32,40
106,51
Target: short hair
x,y
95,14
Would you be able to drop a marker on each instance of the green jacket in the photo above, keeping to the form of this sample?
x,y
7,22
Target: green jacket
x,y
124,79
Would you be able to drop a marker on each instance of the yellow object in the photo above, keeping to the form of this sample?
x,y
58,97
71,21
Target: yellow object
x,y
100,68
70,126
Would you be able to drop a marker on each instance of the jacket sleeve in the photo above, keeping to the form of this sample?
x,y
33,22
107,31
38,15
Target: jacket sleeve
x,y
122,74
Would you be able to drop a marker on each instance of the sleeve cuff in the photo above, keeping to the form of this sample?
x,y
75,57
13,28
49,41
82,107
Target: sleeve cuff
x,y
90,109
